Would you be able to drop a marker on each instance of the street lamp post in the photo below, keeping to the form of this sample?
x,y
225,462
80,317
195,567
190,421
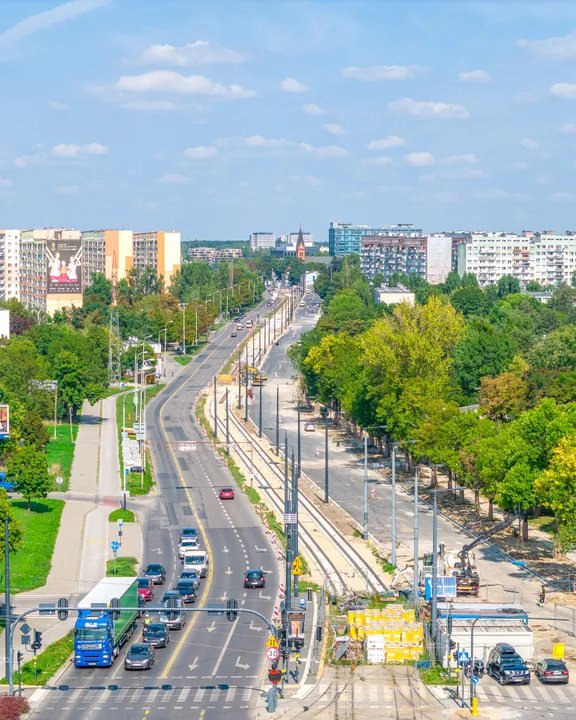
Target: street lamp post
x,y
260,409
394,446
227,426
239,379
183,307
196,336
277,420
299,444
246,378
326,476
373,427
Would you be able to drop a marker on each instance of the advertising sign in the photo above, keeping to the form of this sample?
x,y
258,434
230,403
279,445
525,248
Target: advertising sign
x,y
445,587
4,422
63,260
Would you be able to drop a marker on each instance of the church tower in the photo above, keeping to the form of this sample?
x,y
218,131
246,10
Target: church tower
x,y
300,247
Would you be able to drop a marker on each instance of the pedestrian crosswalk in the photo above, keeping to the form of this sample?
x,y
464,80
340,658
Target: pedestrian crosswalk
x,y
528,695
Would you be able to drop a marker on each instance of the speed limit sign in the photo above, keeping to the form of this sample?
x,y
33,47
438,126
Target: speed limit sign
x,y
272,653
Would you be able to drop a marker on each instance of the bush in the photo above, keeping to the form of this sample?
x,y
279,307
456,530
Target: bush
x,y
11,708
126,515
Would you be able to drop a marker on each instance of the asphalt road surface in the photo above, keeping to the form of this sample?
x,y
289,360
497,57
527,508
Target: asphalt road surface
x,y
212,668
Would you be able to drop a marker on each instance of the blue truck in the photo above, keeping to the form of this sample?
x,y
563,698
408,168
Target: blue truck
x,y
98,637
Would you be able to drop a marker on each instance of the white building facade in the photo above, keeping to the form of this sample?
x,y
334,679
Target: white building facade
x,y
262,240
308,239
438,258
10,264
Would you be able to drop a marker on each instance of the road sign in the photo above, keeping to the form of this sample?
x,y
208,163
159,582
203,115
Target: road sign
x,y
297,566
25,628
475,679
290,519
272,653
120,522
272,642
59,480
25,639
275,676
115,545
463,657
187,447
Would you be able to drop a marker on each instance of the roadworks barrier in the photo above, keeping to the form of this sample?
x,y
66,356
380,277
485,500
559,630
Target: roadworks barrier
x,y
389,635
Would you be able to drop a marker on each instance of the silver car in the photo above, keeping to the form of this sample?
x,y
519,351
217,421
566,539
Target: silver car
x,y
179,620
139,657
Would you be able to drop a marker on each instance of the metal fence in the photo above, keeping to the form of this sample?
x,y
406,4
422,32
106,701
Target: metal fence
x,y
316,645
565,618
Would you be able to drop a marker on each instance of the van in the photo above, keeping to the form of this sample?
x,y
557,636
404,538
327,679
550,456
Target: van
x,y
197,560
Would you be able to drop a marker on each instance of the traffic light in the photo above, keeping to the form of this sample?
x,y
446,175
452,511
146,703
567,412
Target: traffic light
x,y
19,657
63,609
271,700
115,606
231,613
37,644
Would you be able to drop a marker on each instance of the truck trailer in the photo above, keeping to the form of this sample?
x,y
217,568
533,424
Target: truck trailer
x,y
98,636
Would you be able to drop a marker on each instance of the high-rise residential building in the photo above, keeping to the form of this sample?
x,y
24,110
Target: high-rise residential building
x,y
388,254
308,238
438,258
553,258
9,264
109,252
262,240
213,255
345,238
50,269
160,250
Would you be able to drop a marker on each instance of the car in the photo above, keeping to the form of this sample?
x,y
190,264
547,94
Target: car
x,y
169,594
309,427
6,484
187,545
552,671
234,334
226,493
139,657
506,666
188,532
239,326
176,622
187,590
237,319
156,572
157,635
254,579
145,588
190,575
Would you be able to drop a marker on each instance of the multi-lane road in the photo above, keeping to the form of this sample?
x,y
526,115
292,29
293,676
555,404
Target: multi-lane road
x,y
213,667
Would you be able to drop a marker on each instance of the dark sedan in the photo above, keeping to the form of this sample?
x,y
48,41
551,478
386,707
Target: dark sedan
x,y
186,590
188,532
157,635
139,657
190,575
552,671
254,579
156,572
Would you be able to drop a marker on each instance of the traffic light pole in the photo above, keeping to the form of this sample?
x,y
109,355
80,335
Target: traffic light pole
x,y
7,603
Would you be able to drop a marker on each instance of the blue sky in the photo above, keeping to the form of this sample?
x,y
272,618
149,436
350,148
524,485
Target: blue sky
x,y
221,118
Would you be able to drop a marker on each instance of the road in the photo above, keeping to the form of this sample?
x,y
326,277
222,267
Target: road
x,y
212,667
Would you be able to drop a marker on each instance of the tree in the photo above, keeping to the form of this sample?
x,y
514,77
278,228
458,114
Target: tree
x,y
453,282
337,363
469,280
34,432
562,299
469,300
505,396
533,286
508,285
15,528
75,382
29,472
556,351
99,291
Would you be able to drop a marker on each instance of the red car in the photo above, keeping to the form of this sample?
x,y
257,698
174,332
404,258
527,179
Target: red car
x,y
145,589
226,494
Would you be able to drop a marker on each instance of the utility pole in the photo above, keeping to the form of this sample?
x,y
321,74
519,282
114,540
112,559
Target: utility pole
x,y
259,342
416,603
299,445
183,306
215,411
260,409
227,426
287,530
196,337
326,486
365,485
277,420
7,603
246,397
295,526
435,577
239,379
393,558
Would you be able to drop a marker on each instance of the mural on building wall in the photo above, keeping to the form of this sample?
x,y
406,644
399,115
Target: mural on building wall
x,y
63,265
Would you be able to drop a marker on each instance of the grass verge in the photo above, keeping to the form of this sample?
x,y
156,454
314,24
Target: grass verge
x,y
30,566
437,675
126,515
125,567
60,453
182,360
47,662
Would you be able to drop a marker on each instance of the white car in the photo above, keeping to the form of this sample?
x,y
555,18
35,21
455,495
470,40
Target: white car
x,y
309,427
186,546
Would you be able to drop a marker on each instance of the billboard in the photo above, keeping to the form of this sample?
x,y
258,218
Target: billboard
x,y
63,267
4,422
445,587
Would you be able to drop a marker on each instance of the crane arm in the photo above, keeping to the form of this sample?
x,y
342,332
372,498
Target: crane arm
x,y
487,535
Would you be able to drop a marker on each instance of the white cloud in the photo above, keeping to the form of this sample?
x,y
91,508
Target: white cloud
x,y
477,77
525,98
34,23
312,109
4,182
169,81
175,180
465,159
464,173
544,180
255,141
381,160
202,152
557,48
196,53
26,161
334,129
564,90
71,150
375,73
305,179
423,109
568,128
68,190
562,197
530,144
58,106
324,152
293,86
419,159
391,141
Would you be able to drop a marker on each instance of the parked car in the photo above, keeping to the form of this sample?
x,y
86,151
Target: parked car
x,y
187,545
191,575
157,635
506,666
188,532
552,671
145,588
226,493
186,590
139,657
309,427
254,579
6,484
178,620
156,572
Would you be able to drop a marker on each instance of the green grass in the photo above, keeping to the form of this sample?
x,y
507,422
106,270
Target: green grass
x,y
305,585
60,452
126,515
29,567
125,567
182,360
437,675
544,523
137,484
47,662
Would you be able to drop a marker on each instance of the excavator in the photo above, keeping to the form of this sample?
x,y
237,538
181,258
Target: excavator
x,y
256,376
465,572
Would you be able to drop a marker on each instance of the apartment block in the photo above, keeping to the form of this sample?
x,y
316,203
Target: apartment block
x,y
553,258
308,239
388,254
262,240
346,238
9,264
213,255
109,252
160,250
438,258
